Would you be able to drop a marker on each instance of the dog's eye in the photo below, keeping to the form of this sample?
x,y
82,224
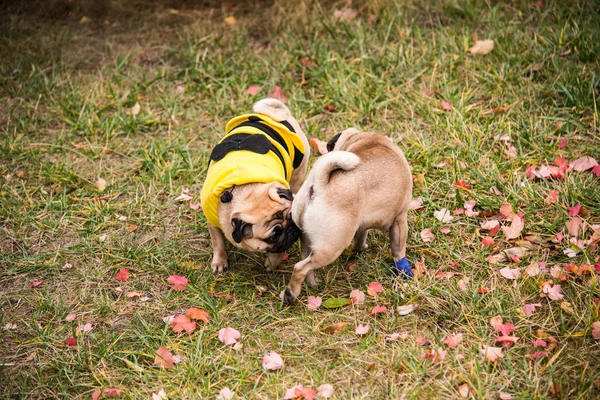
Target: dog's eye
x,y
275,234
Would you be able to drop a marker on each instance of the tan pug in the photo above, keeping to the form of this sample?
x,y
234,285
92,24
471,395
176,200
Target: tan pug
x,y
364,182
253,172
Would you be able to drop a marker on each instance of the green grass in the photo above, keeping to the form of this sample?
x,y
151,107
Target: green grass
x,y
66,90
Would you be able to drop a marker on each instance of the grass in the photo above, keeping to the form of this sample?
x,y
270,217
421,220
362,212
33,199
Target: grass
x,y
67,85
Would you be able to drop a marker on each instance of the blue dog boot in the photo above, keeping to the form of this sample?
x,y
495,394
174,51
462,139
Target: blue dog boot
x,y
402,268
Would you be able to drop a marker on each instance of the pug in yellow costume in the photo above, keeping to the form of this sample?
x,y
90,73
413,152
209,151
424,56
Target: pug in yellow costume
x,y
253,173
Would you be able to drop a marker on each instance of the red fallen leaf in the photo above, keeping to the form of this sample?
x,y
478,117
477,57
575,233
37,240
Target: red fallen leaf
x,y
122,275
538,354
552,197
374,288
574,226
285,257
458,211
378,310
505,329
36,284
197,314
96,394
330,108
506,340
179,282
437,357
596,330
539,4
421,341
596,170
320,145
163,358
181,323
252,90
446,105
494,230
71,341
279,94
540,342
112,392
562,143
482,290
506,209
487,241
573,211
561,162
453,341
461,184
529,309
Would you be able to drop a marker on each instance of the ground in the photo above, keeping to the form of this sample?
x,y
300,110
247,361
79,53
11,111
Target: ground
x,y
72,75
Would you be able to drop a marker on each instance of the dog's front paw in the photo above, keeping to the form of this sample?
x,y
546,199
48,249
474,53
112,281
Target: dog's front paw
x,y
288,297
218,267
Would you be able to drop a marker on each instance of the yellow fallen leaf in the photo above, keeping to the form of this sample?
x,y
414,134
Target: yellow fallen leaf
x,y
84,20
135,110
230,20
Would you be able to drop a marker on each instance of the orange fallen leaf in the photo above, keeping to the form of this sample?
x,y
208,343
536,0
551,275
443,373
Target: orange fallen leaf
x,y
334,328
197,314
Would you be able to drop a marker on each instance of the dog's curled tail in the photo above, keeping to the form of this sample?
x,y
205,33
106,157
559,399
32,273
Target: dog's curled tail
x,y
273,108
331,162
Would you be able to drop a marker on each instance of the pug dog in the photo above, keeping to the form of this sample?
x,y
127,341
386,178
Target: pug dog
x,y
252,175
364,182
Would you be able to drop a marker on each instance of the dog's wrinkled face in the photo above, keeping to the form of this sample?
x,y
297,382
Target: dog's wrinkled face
x,y
263,222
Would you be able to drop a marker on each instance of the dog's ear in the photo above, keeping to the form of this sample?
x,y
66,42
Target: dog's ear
x,y
332,142
241,230
285,194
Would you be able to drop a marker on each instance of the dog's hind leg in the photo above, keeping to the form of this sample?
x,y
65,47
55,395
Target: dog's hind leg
x,y
360,240
398,236
273,261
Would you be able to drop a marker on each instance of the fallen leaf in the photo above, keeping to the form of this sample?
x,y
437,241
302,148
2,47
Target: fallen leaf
x,y
357,296
183,197
163,358
181,323
314,303
225,394
135,110
462,284
334,328
195,206
361,329
427,235
502,109
487,241
272,361
101,184
71,341
437,356
583,164
378,310
112,392
345,14
538,354
566,307
496,321
122,275
529,309
179,282
407,309
514,230
505,396
446,105
252,90
374,288
463,390
229,335
279,94
198,315
161,395
453,341
574,226
469,206
36,284
461,184
293,392
488,225
574,211
553,292
443,215
336,302
482,47
491,354
596,330
445,231
230,20
85,328
132,228
320,145
416,204
325,391
509,273
596,170
506,340
71,317
552,197
9,325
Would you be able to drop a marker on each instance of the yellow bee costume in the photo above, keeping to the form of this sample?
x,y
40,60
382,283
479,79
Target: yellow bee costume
x,y
256,149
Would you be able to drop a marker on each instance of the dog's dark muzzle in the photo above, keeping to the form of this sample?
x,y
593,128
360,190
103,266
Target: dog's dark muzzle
x,y
289,237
